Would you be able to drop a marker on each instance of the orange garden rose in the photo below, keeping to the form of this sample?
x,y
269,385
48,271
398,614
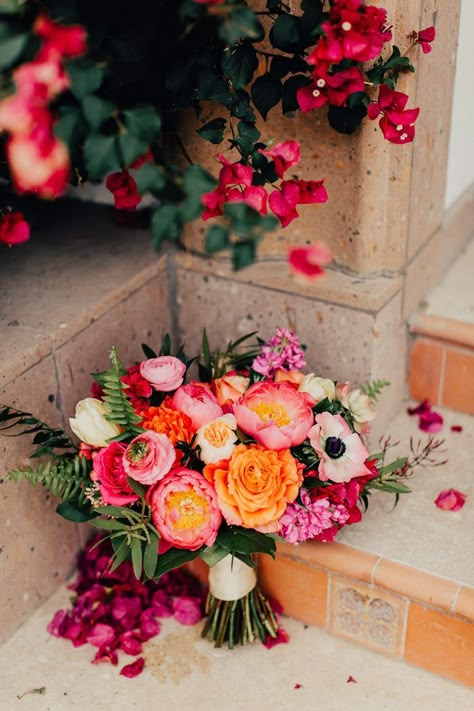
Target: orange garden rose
x,y
229,388
255,485
166,420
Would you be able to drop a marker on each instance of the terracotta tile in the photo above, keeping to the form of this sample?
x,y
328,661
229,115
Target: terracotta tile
x,y
334,557
458,387
301,590
367,615
416,584
425,370
440,643
465,603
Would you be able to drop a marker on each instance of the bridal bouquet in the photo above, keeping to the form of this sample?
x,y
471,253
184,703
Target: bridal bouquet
x,y
218,458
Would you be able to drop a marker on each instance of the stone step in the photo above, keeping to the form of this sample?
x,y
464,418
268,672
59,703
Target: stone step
x,y
401,582
184,673
442,349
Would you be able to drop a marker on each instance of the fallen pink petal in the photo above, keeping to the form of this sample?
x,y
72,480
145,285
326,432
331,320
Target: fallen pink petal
x,y
351,679
456,428
431,422
450,500
420,409
134,669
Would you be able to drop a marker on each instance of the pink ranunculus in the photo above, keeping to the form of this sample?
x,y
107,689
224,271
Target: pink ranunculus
x,y
149,457
341,452
165,373
274,414
451,500
198,402
110,474
185,509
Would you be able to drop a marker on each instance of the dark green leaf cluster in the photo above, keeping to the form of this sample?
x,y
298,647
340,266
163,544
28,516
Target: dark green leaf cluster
x,y
47,439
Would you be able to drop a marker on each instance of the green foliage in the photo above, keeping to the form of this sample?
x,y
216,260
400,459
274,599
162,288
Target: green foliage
x,y
245,541
65,478
47,439
373,389
120,410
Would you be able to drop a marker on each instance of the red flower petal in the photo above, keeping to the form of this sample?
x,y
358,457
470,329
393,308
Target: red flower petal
x,y
281,638
133,669
431,422
187,610
420,409
298,686
308,260
456,428
351,679
450,500
101,635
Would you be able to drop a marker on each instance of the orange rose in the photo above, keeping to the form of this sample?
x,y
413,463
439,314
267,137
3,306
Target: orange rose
x,y
255,485
229,388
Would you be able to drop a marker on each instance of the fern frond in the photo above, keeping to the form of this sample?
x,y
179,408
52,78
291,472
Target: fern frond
x,y
116,400
373,389
65,478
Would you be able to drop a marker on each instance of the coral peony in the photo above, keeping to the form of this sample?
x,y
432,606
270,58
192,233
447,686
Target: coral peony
x,y
197,402
255,486
185,509
274,414
148,457
111,476
342,454
165,373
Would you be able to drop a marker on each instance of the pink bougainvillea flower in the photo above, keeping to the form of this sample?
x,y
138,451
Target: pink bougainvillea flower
x,y
213,203
41,79
187,610
284,155
431,421
198,402
14,229
420,409
66,40
234,173
397,124
425,38
308,260
450,500
341,452
38,165
185,509
330,88
274,414
295,192
282,637
148,457
254,195
110,474
149,627
124,189
133,669
101,635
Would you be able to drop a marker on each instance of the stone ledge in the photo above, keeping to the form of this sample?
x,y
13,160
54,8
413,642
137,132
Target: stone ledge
x,y
82,280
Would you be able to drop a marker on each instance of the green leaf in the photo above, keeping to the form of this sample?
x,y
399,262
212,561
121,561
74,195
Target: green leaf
x,y
217,239
243,254
247,129
9,7
196,182
393,467
322,406
70,127
266,93
213,131
285,33
131,147
174,558
239,64
11,47
101,155
137,557
150,557
96,111
86,76
122,553
109,524
144,122
165,224
120,410
136,487
211,556
346,120
290,90
149,178
71,513
241,23
117,511
245,541
64,478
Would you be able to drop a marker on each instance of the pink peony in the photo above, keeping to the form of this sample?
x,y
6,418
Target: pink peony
x,y
165,373
110,474
149,457
185,509
341,452
274,414
197,402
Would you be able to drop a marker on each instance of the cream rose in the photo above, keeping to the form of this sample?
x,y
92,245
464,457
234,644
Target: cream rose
x,y
361,410
217,439
90,424
318,388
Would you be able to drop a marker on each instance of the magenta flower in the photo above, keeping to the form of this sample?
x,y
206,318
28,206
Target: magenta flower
x,y
308,260
111,476
425,38
341,452
397,124
451,500
330,88
284,156
133,669
283,350
283,201
254,195
148,457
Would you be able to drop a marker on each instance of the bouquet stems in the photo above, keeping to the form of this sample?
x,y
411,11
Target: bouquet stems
x,y
241,618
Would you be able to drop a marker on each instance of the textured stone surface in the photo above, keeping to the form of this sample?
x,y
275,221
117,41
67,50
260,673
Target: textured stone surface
x,y
185,673
37,547
453,297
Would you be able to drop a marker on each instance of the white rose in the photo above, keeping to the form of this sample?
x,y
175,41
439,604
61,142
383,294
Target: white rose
x,y
318,388
360,407
217,439
90,424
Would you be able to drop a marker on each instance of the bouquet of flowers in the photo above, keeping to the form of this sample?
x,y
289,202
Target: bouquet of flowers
x,y
220,466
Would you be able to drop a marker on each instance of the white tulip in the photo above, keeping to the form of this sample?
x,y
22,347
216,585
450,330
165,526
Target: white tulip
x,y
90,424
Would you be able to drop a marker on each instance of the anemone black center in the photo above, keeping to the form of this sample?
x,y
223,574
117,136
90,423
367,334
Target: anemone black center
x,y
335,447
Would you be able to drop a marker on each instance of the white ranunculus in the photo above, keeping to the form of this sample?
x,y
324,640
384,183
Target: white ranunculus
x,y
318,388
90,424
360,407
217,439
